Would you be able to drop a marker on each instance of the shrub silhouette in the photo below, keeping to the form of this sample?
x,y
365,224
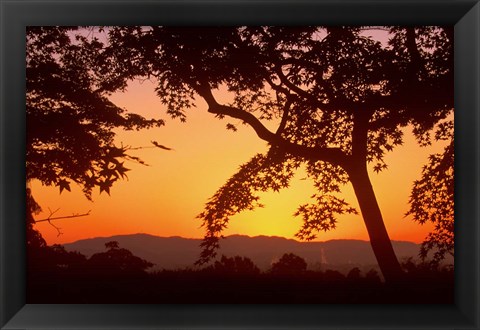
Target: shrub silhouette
x,y
289,264
333,275
372,277
117,259
236,265
354,274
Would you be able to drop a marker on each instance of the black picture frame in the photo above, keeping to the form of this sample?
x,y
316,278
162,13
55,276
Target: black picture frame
x,y
15,15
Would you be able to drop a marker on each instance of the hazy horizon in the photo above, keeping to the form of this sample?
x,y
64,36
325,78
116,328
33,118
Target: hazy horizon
x,y
179,252
232,235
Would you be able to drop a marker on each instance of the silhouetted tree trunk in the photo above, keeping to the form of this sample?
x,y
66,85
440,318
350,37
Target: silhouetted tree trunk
x,y
372,216
379,239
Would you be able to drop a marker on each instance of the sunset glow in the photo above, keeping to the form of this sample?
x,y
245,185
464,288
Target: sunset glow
x,y
248,164
165,197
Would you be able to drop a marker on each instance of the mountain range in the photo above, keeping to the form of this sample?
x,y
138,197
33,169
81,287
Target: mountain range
x,y
177,252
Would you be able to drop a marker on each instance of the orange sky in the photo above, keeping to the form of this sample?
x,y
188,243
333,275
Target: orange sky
x,y
164,198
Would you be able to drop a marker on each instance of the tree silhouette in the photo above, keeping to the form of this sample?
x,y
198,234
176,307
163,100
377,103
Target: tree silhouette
x,y
117,260
70,119
339,98
372,277
45,263
432,200
35,240
354,274
236,265
289,264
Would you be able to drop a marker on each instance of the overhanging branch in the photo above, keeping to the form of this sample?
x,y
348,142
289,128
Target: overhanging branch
x,y
335,103
50,218
332,155
64,217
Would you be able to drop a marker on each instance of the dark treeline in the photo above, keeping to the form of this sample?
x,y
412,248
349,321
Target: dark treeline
x,y
117,276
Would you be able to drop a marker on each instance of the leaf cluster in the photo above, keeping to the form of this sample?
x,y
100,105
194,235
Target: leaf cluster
x,y
432,200
70,120
320,215
272,171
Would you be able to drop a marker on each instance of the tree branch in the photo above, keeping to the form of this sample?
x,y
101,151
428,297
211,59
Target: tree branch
x,y
49,219
283,122
334,103
360,134
64,217
332,155
293,87
416,65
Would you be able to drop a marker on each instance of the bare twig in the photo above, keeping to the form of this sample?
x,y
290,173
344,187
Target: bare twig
x,y
49,219
75,215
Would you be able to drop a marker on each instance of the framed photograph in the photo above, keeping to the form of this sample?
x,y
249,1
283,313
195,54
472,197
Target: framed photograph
x,y
239,164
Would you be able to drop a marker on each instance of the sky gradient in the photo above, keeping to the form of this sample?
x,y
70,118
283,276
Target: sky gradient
x,y
165,197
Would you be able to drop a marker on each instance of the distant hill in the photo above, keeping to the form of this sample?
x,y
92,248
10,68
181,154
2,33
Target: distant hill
x,y
178,252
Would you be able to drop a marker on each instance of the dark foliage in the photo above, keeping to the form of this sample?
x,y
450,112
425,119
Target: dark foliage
x,y
117,260
237,265
354,274
289,264
70,137
71,278
432,200
70,120
54,274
